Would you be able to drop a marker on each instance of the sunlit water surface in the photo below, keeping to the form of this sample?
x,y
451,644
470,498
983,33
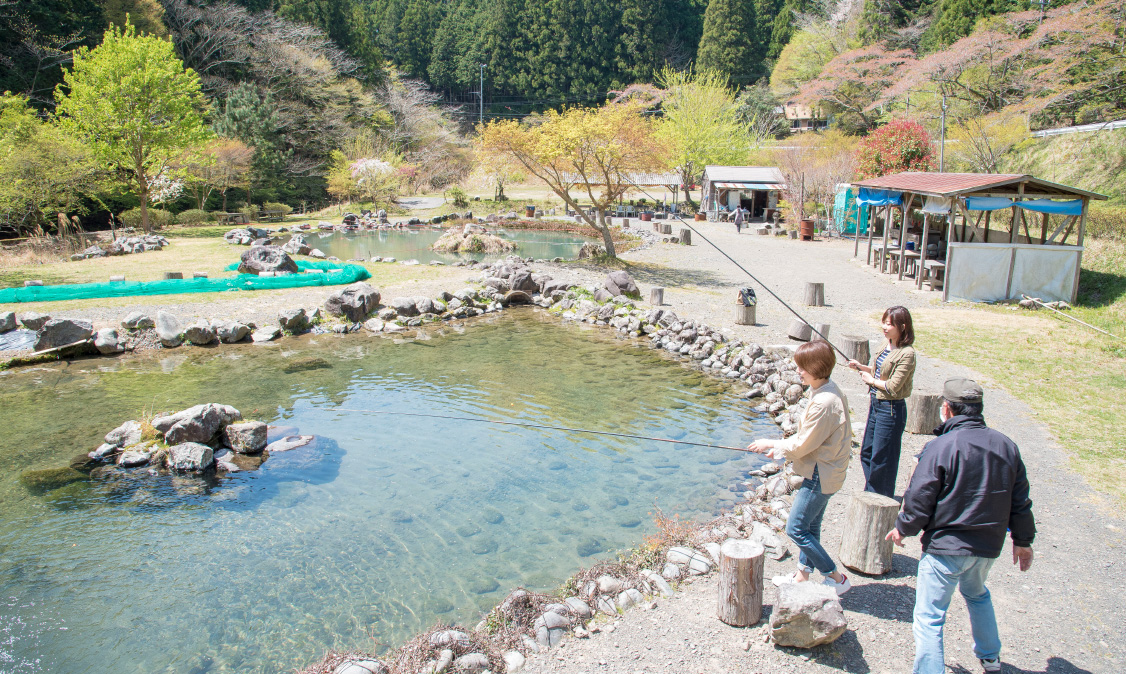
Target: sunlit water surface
x,y
380,529
415,244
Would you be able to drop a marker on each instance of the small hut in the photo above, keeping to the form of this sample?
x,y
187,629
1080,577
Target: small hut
x,y
980,237
756,189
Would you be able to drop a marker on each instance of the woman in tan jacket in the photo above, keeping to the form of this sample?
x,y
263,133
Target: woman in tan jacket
x,y
820,451
889,380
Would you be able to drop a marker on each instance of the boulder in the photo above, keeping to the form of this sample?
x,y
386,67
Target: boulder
x,y
107,341
195,424
455,639
230,332
168,329
590,250
265,335
288,442
602,295
551,285
425,305
199,334
318,254
7,321
128,433
293,321
806,615
246,438
472,662
662,586
137,321
522,280
580,608
610,585
134,458
266,258
513,662
364,666
550,628
190,457
61,332
241,237
621,283
34,321
354,302
297,245
696,562
404,306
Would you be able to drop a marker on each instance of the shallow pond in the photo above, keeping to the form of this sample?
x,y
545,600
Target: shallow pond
x,y
381,528
415,244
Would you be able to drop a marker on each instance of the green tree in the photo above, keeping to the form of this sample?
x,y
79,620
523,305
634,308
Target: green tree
x,y
955,19
420,21
145,15
43,170
784,25
731,44
701,122
36,38
134,103
253,120
641,52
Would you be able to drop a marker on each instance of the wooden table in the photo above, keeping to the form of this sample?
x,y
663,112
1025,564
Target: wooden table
x,y
233,219
273,216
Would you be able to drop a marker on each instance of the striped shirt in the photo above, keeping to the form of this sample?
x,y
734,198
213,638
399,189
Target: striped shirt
x,y
880,362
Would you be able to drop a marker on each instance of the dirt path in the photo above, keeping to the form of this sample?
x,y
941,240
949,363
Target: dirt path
x,y
1061,616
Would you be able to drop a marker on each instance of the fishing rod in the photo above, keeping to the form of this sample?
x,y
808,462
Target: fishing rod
x,y
450,417
1070,318
753,277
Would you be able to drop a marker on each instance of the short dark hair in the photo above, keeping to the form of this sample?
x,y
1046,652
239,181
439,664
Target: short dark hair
x,y
965,409
901,318
816,358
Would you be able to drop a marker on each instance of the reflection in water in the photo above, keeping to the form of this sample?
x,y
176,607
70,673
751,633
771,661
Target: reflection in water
x,y
379,529
415,244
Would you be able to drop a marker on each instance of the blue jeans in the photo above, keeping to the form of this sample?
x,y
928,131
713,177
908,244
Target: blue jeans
x,y
938,576
804,526
883,441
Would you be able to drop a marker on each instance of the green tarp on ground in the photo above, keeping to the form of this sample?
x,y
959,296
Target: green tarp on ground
x,y
313,273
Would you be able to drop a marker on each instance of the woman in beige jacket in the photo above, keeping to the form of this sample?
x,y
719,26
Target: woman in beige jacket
x,y
820,451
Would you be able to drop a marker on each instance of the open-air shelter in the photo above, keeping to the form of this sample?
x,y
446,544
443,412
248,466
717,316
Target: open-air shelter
x,y
990,237
642,181
755,188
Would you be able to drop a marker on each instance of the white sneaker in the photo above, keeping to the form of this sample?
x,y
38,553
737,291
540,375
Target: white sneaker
x,y
841,587
779,581
991,665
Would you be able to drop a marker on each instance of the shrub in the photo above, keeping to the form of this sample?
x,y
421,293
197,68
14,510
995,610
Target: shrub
x,y
158,218
250,211
192,217
458,196
1106,221
286,209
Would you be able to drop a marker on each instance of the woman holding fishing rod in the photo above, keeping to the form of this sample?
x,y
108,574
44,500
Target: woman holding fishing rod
x,y
889,380
820,451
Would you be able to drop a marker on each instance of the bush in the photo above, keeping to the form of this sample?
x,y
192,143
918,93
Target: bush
x,y
157,218
286,209
250,211
1106,221
193,217
458,196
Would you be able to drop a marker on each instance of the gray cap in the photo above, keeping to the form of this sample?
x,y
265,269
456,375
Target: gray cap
x,y
962,390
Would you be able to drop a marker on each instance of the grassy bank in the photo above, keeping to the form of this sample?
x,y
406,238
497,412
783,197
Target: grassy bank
x,y
1073,377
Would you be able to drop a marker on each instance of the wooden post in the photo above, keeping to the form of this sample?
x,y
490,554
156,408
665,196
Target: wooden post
x,y
922,413
870,516
887,233
923,251
855,348
823,330
856,232
814,294
740,582
800,330
908,198
744,315
173,275
657,296
686,236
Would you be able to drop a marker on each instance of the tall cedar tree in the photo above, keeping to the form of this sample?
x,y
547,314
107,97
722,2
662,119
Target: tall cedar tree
x,y
347,22
783,29
417,26
955,19
253,120
641,52
731,44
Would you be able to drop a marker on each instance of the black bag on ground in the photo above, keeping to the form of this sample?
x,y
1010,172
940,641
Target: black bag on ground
x,y
747,297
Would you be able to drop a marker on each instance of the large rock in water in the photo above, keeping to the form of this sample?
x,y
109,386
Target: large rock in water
x,y
107,342
190,456
354,302
294,321
266,258
297,245
621,283
246,438
806,615
61,332
169,329
522,281
195,424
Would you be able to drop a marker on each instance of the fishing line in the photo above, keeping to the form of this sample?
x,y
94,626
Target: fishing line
x,y
753,277
541,426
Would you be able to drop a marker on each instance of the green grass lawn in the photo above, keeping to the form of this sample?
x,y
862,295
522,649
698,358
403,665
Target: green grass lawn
x,y
1073,377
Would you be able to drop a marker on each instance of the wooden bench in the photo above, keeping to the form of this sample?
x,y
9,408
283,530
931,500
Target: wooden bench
x,y
273,216
233,219
934,273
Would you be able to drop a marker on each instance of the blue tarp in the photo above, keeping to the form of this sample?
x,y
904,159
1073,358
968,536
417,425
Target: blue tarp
x,y
1074,207
846,213
988,203
871,197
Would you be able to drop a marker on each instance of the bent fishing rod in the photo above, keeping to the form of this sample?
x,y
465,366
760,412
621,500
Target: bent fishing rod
x,y
450,417
753,277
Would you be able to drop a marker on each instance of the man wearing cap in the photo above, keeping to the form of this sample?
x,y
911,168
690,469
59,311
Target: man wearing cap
x,y
969,488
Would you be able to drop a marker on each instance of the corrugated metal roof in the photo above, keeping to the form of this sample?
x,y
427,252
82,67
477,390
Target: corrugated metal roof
x,y
957,184
639,179
744,174
749,186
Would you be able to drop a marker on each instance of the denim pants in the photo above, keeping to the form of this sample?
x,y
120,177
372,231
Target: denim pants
x,y
938,576
804,526
883,441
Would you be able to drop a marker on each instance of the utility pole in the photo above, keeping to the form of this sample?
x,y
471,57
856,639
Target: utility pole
x,y
942,144
481,93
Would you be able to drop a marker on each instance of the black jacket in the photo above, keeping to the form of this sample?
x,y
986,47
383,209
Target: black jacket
x,y
970,486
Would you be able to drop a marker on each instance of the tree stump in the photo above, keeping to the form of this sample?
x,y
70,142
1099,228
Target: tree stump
x,y
666,228
869,518
815,294
740,582
800,330
923,413
657,227
744,315
657,296
625,223
763,231
855,348
793,233
822,328
686,237
173,275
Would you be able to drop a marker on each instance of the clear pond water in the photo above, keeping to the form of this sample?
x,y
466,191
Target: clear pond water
x,y
381,528
415,244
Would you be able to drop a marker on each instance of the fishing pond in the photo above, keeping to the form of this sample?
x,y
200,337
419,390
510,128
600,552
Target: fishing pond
x,y
379,529
415,244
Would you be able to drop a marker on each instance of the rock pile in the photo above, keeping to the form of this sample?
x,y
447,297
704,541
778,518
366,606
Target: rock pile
x,y
246,236
123,246
467,240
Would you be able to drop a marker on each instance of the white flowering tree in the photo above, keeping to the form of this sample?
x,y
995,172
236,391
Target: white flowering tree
x,y
375,179
164,189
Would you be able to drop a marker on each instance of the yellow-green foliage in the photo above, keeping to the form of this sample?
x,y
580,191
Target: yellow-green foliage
x,y
1093,161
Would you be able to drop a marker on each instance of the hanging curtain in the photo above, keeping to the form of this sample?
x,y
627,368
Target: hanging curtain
x,y
936,206
871,197
1074,207
987,203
